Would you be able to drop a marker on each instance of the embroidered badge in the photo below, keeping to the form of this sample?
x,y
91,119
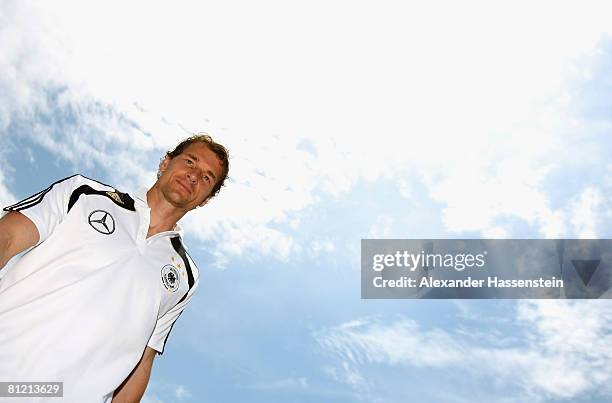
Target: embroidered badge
x,y
170,278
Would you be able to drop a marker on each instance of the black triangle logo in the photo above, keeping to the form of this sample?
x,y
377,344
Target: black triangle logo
x,y
585,269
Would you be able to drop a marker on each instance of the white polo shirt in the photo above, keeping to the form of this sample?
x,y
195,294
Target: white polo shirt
x,y
82,305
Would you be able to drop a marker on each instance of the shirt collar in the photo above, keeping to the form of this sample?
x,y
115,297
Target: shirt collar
x,y
141,195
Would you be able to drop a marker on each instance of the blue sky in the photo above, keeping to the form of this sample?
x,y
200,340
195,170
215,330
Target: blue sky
x,y
344,121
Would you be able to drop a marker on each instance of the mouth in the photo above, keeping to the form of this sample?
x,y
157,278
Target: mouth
x,y
184,186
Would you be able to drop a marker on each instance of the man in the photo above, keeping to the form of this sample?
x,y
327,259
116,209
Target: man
x,y
95,299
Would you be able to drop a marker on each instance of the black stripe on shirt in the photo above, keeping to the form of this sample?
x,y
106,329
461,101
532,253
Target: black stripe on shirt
x,y
35,198
126,201
178,247
168,334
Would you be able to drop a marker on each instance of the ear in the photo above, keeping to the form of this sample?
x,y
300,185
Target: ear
x,y
163,165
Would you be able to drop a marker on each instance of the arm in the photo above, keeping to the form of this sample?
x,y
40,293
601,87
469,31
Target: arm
x,y
17,233
132,389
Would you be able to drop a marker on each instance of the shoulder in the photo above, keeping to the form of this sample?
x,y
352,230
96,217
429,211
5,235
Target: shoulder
x,y
81,180
70,183
58,192
78,186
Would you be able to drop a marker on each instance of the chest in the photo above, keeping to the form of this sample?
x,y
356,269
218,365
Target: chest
x,y
101,238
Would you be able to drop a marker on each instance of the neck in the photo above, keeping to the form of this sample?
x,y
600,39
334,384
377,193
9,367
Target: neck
x,y
164,215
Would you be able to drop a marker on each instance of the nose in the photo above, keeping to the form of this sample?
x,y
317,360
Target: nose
x,y
192,177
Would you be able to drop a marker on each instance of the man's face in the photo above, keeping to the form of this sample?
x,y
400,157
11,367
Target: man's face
x,y
188,178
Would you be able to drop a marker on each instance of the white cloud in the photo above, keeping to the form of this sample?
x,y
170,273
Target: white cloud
x,y
317,247
469,109
475,196
393,344
586,210
28,63
405,188
565,349
181,392
382,227
242,238
346,373
6,197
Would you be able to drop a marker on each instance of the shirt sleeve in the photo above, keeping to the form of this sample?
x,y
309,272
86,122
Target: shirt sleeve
x,y
164,325
47,208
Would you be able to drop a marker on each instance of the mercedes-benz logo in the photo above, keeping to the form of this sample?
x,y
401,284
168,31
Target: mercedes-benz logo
x,y
102,222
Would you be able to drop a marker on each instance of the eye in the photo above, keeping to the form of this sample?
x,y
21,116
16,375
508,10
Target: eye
x,y
206,178
189,161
